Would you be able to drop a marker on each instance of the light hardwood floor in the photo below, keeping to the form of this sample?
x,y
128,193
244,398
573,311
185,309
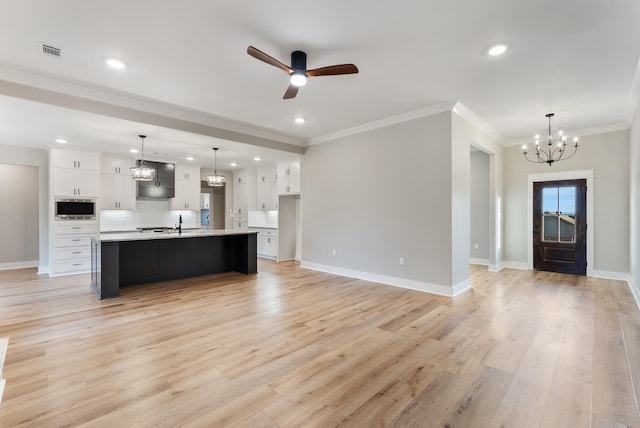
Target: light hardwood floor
x,y
291,347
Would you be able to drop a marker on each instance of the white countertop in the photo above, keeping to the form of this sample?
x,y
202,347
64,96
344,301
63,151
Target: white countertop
x,y
146,236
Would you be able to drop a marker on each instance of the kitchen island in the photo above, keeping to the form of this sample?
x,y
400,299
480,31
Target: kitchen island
x,y
130,258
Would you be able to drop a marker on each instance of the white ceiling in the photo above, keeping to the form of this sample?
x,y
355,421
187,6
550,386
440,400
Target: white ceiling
x,y
575,58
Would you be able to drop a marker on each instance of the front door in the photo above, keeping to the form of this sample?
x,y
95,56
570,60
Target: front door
x,y
560,226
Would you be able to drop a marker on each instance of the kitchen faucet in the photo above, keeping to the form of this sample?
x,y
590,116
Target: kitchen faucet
x,y
180,224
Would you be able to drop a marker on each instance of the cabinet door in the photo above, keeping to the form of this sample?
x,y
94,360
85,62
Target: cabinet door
x,y
240,195
126,192
187,172
75,160
88,183
187,196
113,165
64,182
108,192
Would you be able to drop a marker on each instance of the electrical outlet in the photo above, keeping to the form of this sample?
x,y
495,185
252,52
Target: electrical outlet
x,y
401,261
334,251
475,246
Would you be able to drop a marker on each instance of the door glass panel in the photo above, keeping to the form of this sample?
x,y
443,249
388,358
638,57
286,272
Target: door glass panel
x,y
559,214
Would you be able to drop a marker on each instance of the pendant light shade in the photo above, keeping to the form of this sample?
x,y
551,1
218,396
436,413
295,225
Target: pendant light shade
x,y
142,172
215,180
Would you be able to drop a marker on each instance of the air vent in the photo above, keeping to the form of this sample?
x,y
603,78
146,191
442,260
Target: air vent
x,y
50,50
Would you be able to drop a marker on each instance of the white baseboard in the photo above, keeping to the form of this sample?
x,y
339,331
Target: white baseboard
x,y
634,290
18,265
481,262
43,270
605,274
496,268
516,265
391,280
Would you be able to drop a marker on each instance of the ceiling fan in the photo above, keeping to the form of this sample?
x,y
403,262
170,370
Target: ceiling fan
x,y
298,71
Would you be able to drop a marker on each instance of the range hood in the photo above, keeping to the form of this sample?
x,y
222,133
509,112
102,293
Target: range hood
x,y
163,185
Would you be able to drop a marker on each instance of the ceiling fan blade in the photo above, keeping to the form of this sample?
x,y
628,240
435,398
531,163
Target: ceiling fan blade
x,y
333,70
258,54
291,92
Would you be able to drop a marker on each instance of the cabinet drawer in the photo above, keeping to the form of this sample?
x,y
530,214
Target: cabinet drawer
x,y
72,265
60,228
65,253
241,225
72,241
241,217
269,232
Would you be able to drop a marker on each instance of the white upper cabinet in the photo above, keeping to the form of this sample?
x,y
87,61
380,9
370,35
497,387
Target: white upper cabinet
x,y
244,191
75,174
117,188
266,190
187,172
265,175
187,196
69,159
115,165
288,178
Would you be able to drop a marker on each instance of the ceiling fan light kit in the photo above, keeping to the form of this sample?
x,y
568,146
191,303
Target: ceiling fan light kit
x,y
298,73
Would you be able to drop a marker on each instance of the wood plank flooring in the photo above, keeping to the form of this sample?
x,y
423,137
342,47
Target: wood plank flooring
x,y
291,347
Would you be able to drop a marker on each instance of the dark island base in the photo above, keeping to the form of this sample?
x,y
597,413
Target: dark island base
x,y
116,264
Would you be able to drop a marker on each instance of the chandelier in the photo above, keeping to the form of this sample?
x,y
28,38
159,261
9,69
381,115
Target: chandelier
x,y
215,180
141,172
555,150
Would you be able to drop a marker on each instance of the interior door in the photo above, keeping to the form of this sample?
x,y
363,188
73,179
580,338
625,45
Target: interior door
x,y
560,226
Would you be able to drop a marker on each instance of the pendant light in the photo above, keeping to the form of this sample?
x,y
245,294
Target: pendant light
x,y
215,180
142,172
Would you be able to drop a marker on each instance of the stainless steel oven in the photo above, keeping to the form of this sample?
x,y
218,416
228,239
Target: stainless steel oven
x,y
75,209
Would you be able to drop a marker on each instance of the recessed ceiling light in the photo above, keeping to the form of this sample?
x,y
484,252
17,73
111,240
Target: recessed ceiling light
x,y
189,158
233,164
497,49
115,63
61,141
299,120
257,158
133,150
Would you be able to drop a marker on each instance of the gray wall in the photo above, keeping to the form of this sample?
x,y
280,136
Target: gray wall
x,y
381,195
10,155
19,216
607,154
480,207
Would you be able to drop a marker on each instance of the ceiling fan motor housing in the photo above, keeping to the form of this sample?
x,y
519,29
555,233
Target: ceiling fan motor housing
x,y
299,60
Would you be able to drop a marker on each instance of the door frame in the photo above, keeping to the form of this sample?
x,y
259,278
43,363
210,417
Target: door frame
x,y
586,174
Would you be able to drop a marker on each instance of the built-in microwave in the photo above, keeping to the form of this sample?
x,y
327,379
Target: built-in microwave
x,y
75,209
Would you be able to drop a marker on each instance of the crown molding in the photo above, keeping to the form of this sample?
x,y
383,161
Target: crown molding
x,y
576,132
462,111
382,123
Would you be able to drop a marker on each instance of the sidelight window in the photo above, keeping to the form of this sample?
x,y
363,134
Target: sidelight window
x,y
559,214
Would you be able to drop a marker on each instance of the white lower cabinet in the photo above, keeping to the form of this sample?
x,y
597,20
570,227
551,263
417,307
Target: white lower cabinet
x,y
71,246
267,243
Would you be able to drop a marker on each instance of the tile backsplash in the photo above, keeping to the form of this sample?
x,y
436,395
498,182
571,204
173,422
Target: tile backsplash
x,y
148,213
